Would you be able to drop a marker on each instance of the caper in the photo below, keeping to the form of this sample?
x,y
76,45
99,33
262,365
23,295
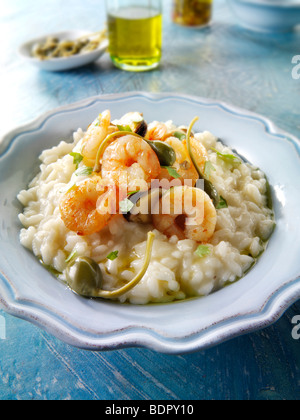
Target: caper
x,y
143,202
211,191
269,195
142,129
84,276
165,153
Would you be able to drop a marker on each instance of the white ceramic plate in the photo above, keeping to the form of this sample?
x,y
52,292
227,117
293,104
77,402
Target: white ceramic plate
x,y
28,291
267,15
65,63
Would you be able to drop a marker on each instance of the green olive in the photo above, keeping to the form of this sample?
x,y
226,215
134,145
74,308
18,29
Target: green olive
x,y
84,276
165,153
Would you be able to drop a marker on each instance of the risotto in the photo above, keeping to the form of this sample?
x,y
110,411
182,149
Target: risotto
x,y
75,223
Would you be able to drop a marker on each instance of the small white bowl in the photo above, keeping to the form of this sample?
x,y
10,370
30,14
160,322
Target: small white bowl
x,y
267,15
64,63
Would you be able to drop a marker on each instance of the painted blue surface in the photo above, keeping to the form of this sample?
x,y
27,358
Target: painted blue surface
x,y
223,62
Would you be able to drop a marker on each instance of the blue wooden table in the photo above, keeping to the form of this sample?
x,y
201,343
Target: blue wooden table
x,y
222,62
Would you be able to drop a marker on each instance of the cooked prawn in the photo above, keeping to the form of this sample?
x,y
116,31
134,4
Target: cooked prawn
x,y
183,164
157,131
199,152
130,160
187,213
94,136
82,206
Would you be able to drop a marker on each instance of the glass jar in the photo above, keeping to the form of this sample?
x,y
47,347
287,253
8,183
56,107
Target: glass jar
x,y
135,33
195,13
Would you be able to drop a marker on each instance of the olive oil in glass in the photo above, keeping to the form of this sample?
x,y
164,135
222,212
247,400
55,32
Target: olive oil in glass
x,y
135,34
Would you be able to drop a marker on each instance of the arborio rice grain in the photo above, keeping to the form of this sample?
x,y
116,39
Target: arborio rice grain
x,y
176,271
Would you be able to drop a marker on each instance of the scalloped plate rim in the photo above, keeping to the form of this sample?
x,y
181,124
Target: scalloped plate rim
x,y
274,306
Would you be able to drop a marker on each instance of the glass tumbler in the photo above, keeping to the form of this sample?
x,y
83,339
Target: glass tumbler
x,y
197,13
135,33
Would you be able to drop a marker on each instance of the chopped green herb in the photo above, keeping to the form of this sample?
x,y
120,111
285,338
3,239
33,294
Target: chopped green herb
x,y
203,251
113,255
72,256
180,135
78,158
209,167
124,128
222,204
227,157
97,122
172,172
85,170
126,206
